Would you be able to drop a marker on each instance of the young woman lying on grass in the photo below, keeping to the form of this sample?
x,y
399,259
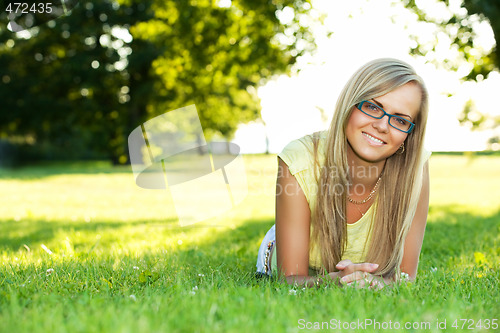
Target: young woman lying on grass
x,y
352,202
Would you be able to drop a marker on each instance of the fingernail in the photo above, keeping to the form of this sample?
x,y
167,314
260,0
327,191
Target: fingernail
x,y
374,265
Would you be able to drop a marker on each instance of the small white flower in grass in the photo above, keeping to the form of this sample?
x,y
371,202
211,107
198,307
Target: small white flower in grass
x,y
135,267
195,288
202,275
192,292
49,271
179,242
433,269
133,297
292,292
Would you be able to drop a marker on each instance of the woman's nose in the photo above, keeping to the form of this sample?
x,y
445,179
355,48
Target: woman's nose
x,y
382,124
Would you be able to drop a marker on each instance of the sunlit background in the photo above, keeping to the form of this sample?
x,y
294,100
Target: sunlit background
x,y
364,30
114,68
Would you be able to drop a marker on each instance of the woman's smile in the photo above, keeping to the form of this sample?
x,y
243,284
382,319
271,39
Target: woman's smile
x,y
373,140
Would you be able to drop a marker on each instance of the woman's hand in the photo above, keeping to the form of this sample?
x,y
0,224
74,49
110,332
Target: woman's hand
x,y
359,275
361,280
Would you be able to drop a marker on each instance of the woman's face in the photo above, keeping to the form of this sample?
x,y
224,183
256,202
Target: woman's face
x,y
374,140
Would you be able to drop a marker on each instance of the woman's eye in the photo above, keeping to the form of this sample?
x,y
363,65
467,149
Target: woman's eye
x,y
401,121
373,108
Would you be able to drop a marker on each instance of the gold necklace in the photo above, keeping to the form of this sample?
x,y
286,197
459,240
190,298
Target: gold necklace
x,y
369,197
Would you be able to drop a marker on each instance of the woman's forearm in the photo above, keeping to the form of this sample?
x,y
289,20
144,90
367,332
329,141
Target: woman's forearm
x,y
376,281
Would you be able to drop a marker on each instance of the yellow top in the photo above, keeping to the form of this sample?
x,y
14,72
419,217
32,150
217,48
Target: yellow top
x,y
299,157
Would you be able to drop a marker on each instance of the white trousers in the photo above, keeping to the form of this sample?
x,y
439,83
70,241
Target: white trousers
x,y
266,250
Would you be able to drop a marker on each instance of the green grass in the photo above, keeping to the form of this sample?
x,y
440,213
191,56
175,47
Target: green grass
x,y
82,249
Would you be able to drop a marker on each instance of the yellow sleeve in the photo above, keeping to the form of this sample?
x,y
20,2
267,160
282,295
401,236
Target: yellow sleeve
x,y
299,157
295,156
425,155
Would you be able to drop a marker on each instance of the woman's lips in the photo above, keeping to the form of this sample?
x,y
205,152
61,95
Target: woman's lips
x,y
373,140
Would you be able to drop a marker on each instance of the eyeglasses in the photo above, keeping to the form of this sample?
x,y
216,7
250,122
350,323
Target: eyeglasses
x,y
375,111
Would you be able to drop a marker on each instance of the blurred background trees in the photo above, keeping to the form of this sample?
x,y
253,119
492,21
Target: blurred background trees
x,y
467,55
76,86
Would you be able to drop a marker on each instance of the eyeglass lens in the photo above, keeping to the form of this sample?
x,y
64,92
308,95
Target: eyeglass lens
x,y
376,111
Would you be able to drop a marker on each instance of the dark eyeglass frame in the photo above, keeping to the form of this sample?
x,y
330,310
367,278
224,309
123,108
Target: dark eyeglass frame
x,y
359,106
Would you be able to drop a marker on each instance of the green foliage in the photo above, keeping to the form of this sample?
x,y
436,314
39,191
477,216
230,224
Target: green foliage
x,y
475,120
78,85
460,28
114,258
62,82
215,57
471,116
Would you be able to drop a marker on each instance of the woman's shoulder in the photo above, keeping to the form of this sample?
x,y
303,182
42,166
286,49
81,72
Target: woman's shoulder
x,y
299,154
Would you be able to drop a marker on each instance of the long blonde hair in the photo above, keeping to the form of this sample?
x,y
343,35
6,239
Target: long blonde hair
x,y
391,222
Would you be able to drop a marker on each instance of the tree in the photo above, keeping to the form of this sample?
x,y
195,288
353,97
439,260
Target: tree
x,y
63,82
215,56
82,82
461,28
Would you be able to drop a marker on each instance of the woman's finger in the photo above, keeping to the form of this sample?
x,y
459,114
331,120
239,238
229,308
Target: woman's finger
x,y
343,264
376,284
355,276
358,284
365,267
360,279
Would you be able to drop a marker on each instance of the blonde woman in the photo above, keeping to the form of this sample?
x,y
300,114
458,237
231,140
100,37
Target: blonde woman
x,y
352,202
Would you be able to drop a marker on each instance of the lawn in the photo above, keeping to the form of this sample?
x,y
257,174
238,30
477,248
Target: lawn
x,y
83,249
